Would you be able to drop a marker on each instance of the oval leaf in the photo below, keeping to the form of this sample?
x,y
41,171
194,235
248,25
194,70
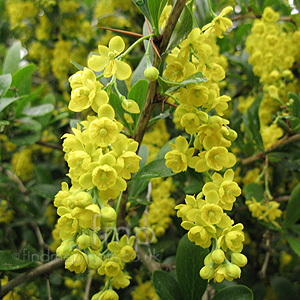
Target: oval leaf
x,y
39,110
166,286
5,81
10,261
189,261
293,208
236,292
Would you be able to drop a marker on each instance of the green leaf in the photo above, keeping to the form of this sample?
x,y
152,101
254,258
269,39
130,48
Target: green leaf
x,y
293,208
10,261
39,110
4,102
45,190
163,115
28,124
284,289
236,292
115,102
12,59
166,286
156,7
294,243
25,139
144,8
138,93
295,107
172,86
254,190
5,81
182,29
21,81
252,123
156,168
77,66
165,149
189,261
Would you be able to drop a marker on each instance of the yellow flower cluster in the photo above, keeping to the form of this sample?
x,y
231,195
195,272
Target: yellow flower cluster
x,y
22,164
273,49
203,216
267,211
144,291
101,159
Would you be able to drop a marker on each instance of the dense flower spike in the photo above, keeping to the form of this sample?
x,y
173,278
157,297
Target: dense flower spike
x,y
205,219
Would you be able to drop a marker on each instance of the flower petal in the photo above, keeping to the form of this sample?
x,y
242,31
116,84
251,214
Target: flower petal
x,y
97,63
103,51
116,44
123,70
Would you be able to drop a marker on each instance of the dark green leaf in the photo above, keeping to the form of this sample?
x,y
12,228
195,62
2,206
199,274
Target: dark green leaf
x,y
4,102
166,286
5,81
25,139
156,168
39,110
77,66
295,107
294,243
236,292
293,208
163,115
12,59
284,289
144,8
45,190
252,123
254,190
189,261
138,72
165,149
10,261
182,29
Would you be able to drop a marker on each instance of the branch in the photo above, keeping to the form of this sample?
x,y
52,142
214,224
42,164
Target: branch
x,y
41,270
88,286
49,145
285,140
148,261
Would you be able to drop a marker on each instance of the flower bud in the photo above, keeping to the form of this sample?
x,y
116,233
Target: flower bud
x,y
232,135
108,214
207,272
208,260
65,249
151,73
94,261
95,242
82,199
218,256
83,241
127,254
233,271
239,259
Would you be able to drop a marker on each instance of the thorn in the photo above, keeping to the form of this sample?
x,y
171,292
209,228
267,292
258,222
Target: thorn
x,y
122,31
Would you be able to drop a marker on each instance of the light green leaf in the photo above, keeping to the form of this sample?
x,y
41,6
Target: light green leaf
x,y
10,261
4,102
295,107
45,190
254,190
25,139
156,7
39,110
144,8
166,286
293,208
189,261
5,81
236,292
12,59
28,124
284,289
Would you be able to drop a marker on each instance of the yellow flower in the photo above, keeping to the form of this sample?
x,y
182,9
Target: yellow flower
x,y
68,226
107,60
86,91
220,24
218,157
76,262
201,235
232,238
211,213
88,216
